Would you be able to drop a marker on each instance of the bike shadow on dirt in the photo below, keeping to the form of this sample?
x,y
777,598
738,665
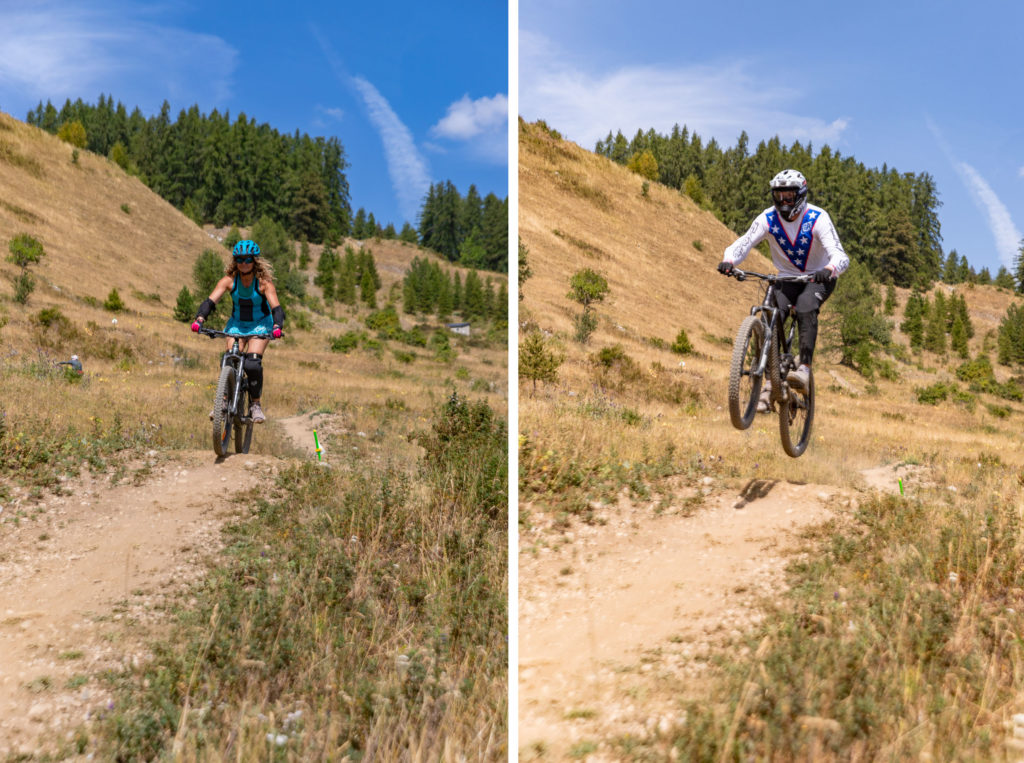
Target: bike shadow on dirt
x,y
755,490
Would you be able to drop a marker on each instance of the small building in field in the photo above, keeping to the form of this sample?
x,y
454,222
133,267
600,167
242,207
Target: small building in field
x,y
459,328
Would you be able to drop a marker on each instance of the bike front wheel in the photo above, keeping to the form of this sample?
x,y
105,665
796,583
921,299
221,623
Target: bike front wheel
x,y
222,416
744,385
796,414
243,428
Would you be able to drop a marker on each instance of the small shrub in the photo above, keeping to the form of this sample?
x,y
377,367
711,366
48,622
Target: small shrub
x,y
126,209
403,357
645,190
681,345
698,245
586,324
385,322
932,395
113,302
346,342
999,411
24,284
441,346
538,363
51,316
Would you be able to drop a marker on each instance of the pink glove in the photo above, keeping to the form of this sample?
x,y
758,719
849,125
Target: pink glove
x,y
276,332
196,325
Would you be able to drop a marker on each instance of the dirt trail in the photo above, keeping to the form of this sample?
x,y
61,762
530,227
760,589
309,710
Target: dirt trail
x,y
84,577
616,623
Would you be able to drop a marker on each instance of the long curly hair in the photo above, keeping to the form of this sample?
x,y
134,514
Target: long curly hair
x,y
261,268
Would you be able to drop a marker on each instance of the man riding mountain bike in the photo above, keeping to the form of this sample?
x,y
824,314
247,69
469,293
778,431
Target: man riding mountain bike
x,y
803,241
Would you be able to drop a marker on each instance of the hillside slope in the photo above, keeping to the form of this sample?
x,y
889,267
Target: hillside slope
x,y
654,536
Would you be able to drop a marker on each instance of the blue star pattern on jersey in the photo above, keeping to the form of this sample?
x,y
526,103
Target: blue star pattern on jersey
x,y
796,252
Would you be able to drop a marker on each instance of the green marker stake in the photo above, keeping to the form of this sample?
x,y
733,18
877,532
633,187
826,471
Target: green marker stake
x,y
901,487
316,441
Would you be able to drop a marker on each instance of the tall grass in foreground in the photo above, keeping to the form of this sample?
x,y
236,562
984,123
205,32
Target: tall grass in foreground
x,y
901,639
356,616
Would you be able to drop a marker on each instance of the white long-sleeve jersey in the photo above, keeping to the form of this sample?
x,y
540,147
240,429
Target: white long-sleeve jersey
x,y
798,247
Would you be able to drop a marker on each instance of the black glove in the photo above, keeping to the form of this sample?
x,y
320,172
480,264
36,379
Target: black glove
x,y
824,275
725,268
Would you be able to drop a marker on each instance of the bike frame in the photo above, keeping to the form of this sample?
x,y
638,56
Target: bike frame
x,y
773,320
234,357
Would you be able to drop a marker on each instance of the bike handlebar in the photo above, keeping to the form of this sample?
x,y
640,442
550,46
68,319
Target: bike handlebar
x,y
213,333
741,275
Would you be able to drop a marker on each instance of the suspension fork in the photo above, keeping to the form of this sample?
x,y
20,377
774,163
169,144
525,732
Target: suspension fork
x,y
770,323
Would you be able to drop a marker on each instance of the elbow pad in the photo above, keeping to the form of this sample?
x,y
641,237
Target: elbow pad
x,y
278,315
207,307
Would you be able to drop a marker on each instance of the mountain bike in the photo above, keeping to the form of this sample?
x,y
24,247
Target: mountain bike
x,y
765,344
231,403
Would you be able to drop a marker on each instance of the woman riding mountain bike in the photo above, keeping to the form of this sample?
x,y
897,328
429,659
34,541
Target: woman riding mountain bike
x,y
803,241
255,310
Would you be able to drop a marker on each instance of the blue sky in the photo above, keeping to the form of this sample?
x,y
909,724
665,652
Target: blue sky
x,y
416,92
934,87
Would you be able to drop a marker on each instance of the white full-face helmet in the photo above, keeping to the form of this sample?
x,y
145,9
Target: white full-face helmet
x,y
789,193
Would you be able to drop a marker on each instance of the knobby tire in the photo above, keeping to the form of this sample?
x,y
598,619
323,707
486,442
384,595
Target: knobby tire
x,y
222,411
744,389
243,429
796,416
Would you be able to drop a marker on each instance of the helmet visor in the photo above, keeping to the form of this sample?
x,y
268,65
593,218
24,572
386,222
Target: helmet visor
x,y
784,195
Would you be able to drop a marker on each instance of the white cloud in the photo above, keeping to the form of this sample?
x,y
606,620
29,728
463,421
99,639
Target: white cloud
x,y
1003,229
59,50
713,101
1021,172
1000,223
406,167
481,124
467,118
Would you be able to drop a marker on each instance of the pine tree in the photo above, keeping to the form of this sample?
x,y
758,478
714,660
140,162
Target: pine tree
x,y
368,289
359,227
207,270
861,329
958,337
890,299
408,234
935,330
537,363
1004,280
185,309
913,319
1010,340
1019,268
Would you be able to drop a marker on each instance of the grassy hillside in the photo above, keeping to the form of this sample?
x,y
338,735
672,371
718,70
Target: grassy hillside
x,y
928,667
412,438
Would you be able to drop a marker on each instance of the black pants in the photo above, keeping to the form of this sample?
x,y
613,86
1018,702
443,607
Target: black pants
x,y
808,299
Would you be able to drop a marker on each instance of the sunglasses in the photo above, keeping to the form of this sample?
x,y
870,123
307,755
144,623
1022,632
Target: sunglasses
x,y
247,260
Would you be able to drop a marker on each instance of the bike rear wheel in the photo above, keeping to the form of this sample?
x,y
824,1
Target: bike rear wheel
x,y
744,386
796,415
243,429
222,411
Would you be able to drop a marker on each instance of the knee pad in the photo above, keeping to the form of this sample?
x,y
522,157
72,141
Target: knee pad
x,y
253,364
